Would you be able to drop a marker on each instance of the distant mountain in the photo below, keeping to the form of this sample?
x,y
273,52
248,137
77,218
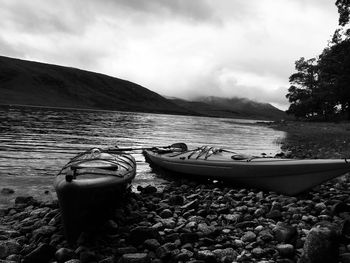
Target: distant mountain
x,y
38,84
232,108
32,83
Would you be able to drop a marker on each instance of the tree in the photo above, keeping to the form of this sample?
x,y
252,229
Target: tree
x,y
344,11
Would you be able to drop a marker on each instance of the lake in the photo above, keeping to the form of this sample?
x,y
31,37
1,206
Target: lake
x,y
36,142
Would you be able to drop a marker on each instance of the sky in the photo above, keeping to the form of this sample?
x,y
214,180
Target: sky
x,y
177,48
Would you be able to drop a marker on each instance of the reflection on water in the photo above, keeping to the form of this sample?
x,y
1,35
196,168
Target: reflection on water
x,y
38,141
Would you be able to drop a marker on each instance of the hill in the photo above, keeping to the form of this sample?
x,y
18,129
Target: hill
x,y
33,83
39,84
232,108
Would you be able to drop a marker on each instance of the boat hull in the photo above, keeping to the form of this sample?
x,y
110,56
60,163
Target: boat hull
x,y
88,198
286,176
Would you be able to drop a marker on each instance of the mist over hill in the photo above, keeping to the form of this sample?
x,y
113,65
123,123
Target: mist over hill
x,y
39,84
232,108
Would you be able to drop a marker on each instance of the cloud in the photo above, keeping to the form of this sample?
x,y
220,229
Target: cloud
x,y
174,47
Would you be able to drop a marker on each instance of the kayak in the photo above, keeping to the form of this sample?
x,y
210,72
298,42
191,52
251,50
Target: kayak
x,y
285,176
89,185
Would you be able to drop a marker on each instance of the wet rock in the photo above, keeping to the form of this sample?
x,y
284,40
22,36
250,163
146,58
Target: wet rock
x,y
139,234
134,258
41,254
321,245
64,254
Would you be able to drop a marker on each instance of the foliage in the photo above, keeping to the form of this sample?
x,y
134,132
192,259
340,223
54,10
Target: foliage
x,y
320,89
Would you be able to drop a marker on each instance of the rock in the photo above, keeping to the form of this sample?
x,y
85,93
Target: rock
x,y
125,250
134,258
24,200
166,213
285,233
248,237
7,191
165,251
228,253
43,231
321,245
184,255
108,260
345,258
87,256
207,256
149,189
9,247
190,205
139,234
176,200
205,229
64,254
151,244
188,237
41,254
285,250
258,252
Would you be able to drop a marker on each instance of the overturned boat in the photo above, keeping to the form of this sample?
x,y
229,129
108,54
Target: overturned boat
x,y
89,185
285,176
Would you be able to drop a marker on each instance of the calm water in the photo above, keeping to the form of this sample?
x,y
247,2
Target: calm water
x,y
37,142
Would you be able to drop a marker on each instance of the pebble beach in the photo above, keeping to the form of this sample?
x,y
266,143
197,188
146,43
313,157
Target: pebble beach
x,y
188,221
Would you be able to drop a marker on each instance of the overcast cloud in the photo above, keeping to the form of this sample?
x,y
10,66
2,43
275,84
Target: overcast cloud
x,y
176,48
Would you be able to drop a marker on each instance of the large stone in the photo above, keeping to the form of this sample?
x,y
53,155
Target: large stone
x,y
64,254
321,245
285,250
248,237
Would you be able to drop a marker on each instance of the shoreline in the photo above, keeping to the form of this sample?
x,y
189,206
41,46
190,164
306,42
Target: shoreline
x,y
201,222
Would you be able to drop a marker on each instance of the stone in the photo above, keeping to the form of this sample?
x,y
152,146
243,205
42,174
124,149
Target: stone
x,y
176,200
205,229
139,234
345,258
149,189
134,258
285,233
164,251
227,253
207,256
190,205
188,237
41,254
285,250
321,245
151,244
24,200
87,256
7,191
43,231
166,213
9,247
64,254
248,237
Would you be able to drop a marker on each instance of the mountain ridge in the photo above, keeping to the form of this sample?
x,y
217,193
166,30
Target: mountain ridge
x,y
33,83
